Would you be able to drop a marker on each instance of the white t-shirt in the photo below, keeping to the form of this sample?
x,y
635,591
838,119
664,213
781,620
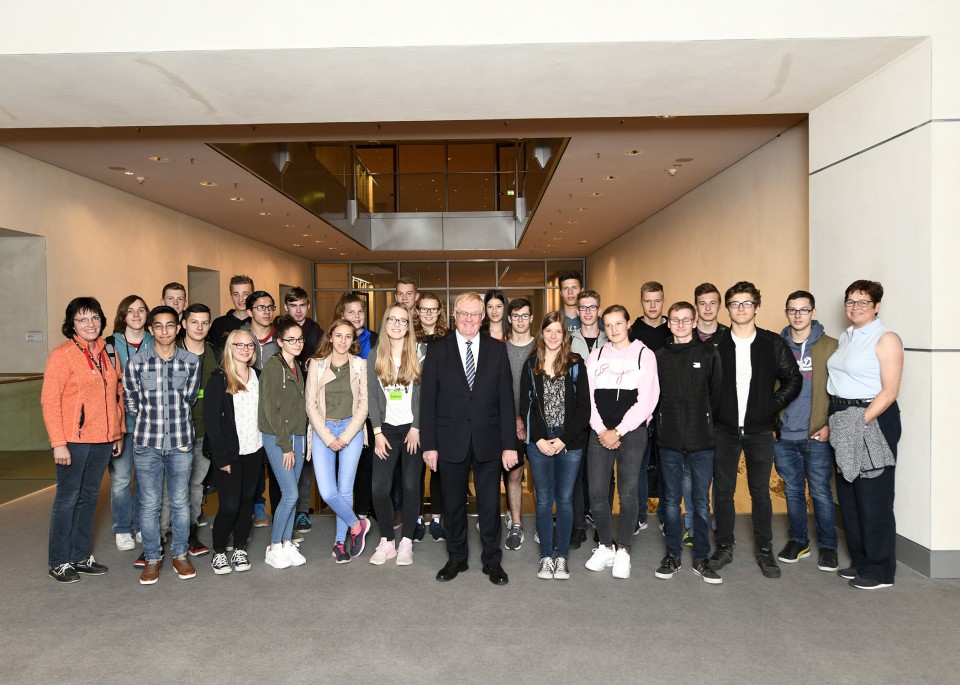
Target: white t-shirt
x,y
744,373
245,405
399,401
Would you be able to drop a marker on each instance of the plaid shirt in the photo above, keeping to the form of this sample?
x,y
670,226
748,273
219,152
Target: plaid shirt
x,y
159,395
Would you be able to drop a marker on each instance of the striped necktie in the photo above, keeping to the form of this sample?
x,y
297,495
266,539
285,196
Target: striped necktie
x,y
471,368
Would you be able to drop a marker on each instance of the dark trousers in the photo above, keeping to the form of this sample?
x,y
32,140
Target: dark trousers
x,y
363,481
486,482
757,449
75,502
383,482
235,491
436,490
866,509
261,485
600,463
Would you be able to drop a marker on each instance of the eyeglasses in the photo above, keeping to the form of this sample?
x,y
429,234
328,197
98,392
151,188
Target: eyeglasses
x,y
520,317
169,326
588,308
857,304
87,320
803,311
681,322
244,346
397,321
293,341
428,310
266,307
469,315
746,304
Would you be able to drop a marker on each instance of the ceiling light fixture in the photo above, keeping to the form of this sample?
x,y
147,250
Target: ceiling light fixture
x,y
264,213
237,198
611,178
664,116
158,158
129,173
595,194
208,184
582,242
634,153
683,159
583,209
117,168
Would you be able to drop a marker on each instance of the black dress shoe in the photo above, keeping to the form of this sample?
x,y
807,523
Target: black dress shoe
x,y
497,575
451,570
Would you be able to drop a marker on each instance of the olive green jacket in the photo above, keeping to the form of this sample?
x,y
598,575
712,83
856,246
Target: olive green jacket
x,y
283,409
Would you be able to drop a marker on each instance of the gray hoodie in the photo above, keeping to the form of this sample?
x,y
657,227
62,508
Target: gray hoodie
x,y
796,415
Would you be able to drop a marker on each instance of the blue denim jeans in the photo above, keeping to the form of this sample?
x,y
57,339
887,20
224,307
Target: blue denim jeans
x,y
152,466
124,507
286,509
803,462
687,497
553,479
672,468
75,502
336,489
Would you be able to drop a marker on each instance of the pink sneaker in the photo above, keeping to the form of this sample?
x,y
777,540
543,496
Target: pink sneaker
x,y
358,540
385,551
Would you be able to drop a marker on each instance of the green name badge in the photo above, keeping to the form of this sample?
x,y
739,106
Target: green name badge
x,y
396,395
200,394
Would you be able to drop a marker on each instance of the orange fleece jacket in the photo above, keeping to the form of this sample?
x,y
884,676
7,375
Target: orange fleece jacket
x,y
77,405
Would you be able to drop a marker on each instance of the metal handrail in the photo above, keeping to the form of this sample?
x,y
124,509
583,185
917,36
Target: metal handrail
x,y
7,378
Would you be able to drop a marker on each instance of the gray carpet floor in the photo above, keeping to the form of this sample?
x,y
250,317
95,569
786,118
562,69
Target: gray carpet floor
x,y
324,623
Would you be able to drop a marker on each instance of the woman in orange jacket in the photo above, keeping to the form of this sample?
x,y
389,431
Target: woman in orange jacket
x,y
83,413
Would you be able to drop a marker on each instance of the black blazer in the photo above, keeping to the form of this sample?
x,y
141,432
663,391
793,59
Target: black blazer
x,y
220,420
451,415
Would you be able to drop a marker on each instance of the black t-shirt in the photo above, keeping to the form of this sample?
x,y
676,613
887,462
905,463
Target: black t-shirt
x,y
654,338
591,342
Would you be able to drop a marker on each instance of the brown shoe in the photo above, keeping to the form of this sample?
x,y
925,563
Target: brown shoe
x,y
150,572
183,567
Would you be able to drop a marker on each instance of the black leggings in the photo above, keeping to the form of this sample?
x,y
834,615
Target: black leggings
x,y
383,482
236,491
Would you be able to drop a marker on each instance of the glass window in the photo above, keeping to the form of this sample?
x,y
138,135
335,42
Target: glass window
x,y
471,157
472,192
325,303
556,266
380,159
331,276
514,274
477,275
427,275
374,275
422,193
418,159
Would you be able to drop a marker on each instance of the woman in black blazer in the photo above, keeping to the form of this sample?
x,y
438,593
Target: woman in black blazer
x,y
555,406
230,405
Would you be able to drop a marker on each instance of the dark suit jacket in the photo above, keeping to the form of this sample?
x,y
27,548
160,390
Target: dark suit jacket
x,y
451,415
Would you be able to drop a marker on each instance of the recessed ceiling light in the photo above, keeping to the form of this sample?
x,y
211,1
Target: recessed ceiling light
x,y
583,209
664,116
331,248
296,244
318,241
343,254
611,178
237,198
595,194
572,221
117,168
306,235
582,242
208,184
289,225
683,159
129,173
264,213
634,153
158,158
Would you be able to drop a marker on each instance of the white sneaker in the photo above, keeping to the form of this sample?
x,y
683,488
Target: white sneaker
x,y
405,552
293,554
603,557
276,558
125,542
138,538
545,569
621,564
385,550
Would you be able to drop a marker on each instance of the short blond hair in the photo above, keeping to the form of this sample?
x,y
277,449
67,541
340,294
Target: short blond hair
x,y
462,297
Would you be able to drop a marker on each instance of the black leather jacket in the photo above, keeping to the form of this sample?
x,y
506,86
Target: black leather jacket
x,y
770,361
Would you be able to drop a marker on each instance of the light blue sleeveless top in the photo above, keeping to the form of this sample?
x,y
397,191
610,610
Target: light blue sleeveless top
x,y
854,369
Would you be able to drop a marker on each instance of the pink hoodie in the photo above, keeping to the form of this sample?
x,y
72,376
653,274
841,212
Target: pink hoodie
x,y
624,388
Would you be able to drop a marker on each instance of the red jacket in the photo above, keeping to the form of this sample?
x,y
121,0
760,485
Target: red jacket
x,y
79,404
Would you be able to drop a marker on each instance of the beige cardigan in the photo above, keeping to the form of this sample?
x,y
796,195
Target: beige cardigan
x,y
318,375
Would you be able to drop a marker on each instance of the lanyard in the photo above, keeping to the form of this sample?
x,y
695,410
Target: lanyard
x,y
93,361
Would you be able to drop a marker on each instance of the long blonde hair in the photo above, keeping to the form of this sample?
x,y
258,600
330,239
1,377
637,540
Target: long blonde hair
x,y
409,372
229,365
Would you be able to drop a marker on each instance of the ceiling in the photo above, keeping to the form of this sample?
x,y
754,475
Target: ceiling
x,y
89,112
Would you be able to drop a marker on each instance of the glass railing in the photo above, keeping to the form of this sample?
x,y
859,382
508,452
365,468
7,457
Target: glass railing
x,y
25,459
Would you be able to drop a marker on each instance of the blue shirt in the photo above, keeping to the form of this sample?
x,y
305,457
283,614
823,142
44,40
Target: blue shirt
x,y
855,368
160,395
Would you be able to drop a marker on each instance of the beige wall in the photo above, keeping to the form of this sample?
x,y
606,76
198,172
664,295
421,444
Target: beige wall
x,y
748,222
106,243
22,269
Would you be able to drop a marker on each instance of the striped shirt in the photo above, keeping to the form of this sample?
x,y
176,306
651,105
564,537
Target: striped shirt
x,y
159,395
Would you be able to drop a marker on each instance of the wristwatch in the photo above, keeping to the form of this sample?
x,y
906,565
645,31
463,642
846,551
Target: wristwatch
x,y
617,431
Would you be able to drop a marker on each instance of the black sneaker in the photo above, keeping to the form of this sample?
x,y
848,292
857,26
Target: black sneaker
x,y
868,584
436,531
828,560
420,531
89,567
515,538
64,573
703,569
302,523
766,562
195,548
141,560
793,552
848,573
668,567
578,537
721,556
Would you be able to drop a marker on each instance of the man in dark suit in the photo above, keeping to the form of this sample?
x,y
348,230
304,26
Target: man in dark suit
x,y
467,420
